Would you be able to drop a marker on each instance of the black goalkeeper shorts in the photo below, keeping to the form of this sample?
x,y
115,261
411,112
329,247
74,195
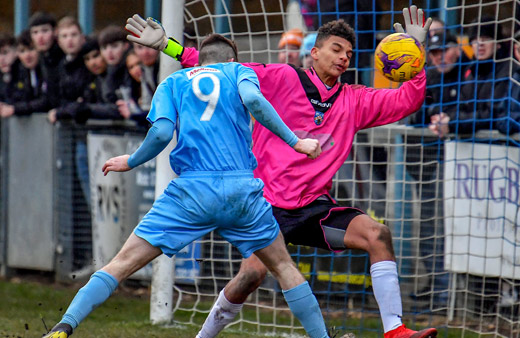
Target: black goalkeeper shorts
x,y
320,224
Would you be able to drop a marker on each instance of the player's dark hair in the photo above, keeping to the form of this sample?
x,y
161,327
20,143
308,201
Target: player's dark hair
x,y
7,39
111,34
42,18
335,28
24,39
217,48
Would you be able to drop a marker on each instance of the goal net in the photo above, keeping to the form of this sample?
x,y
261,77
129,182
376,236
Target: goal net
x,y
452,205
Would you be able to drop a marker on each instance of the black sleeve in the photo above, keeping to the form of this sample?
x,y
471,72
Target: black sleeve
x,y
104,111
39,105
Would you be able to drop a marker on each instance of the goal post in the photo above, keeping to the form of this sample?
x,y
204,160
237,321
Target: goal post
x,y
163,276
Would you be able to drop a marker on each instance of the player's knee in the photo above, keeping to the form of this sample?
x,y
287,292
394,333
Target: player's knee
x,y
385,235
378,234
381,237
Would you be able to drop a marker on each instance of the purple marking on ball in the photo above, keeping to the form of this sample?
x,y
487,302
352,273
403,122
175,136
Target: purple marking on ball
x,y
389,65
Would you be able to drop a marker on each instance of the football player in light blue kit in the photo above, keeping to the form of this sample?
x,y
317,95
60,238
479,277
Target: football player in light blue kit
x,y
208,108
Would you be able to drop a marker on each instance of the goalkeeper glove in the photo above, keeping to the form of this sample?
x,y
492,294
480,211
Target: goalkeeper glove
x,y
414,23
150,33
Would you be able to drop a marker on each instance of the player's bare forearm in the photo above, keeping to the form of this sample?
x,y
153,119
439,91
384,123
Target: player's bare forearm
x,y
118,163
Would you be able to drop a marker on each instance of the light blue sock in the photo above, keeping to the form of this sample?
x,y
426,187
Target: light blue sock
x,y
94,293
305,307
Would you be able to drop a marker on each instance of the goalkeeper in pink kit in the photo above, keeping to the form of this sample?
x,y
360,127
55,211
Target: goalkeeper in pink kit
x,y
314,104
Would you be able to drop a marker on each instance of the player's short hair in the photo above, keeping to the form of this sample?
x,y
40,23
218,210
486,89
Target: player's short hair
x,y
7,39
335,28
111,34
24,39
42,18
217,48
68,21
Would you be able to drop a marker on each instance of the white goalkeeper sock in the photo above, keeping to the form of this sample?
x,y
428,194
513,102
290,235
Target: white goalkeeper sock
x,y
385,284
222,313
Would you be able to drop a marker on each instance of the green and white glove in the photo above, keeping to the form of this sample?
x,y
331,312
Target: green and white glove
x,y
414,23
150,33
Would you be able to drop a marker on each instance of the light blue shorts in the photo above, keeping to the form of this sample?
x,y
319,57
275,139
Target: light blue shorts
x,y
196,203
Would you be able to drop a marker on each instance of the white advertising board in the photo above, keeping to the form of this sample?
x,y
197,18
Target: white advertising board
x,y
482,211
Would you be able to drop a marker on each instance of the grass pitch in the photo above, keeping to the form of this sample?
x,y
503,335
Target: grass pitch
x,y
29,308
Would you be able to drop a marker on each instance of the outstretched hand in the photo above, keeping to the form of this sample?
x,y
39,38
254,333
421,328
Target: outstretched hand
x,y
309,147
118,163
149,32
414,23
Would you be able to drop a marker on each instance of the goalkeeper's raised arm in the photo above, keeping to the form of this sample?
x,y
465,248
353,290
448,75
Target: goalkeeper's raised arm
x,y
150,33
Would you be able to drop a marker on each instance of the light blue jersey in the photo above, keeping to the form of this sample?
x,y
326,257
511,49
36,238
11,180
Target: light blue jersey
x,y
216,189
213,126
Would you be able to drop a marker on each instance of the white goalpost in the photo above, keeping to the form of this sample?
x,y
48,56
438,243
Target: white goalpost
x,y
163,277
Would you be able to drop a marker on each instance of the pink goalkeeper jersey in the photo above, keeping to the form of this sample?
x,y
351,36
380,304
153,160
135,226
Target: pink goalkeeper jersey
x,y
291,179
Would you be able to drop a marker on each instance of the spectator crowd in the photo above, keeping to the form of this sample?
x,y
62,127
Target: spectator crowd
x,y
53,68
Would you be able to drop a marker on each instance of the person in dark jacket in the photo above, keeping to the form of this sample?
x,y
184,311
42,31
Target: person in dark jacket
x,y
485,87
114,48
73,78
73,75
509,117
28,93
423,158
7,60
97,100
128,107
42,26
442,78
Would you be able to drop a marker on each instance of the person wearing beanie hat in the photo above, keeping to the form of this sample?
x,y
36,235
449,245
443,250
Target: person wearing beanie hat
x,y
485,38
485,84
486,26
305,51
443,51
289,47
